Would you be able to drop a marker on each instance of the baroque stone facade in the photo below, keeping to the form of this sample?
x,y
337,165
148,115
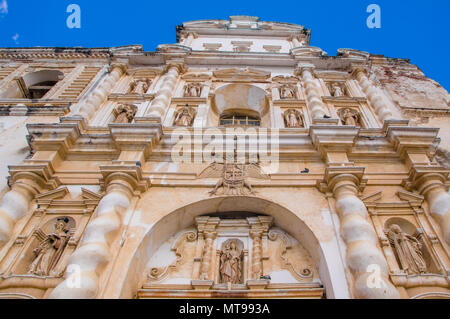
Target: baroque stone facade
x,y
115,188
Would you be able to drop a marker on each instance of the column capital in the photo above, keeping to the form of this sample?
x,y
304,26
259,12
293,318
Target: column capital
x,y
180,66
356,68
35,178
206,224
426,178
350,178
121,66
304,66
127,178
186,34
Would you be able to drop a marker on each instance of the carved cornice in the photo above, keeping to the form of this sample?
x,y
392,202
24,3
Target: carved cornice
x,y
242,75
54,53
350,53
58,137
411,139
330,137
302,52
136,136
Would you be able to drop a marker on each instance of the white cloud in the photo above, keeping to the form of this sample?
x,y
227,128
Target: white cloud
x,y
3,7
15,38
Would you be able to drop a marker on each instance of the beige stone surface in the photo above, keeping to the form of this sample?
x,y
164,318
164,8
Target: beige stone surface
x,y
312,210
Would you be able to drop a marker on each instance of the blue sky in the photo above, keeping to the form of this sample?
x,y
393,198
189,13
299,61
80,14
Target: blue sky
x,y
413,29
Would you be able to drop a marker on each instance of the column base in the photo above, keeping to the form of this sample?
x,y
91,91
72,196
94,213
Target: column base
x,y
202,284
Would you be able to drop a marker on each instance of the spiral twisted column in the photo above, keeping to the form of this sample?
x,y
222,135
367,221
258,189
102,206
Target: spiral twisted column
x,y
257,270
15,204
430,182
207,255
374,94
313,94
162,99
366,261
96,98
94,253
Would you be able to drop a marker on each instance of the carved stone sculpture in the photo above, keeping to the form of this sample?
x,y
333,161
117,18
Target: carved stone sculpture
x,y
50,248
233,177
287,92
336,90
139,86
293,118
408,251
125,113
193,90
231,263
185,116
349,117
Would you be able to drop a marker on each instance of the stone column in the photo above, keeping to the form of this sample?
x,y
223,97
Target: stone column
x,y
205,267
313,94
15,204
256,254
366,261
375,95
432,186
162,99
90,259
88,107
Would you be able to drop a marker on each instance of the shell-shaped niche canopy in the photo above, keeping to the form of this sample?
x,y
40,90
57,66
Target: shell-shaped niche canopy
x,y
242,99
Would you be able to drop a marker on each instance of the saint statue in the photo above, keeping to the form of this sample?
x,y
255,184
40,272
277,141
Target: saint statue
x,y
408,251
139,86
349,117
185,116
50,248
125,113
293,118
287,92
192,90
337,90
230,264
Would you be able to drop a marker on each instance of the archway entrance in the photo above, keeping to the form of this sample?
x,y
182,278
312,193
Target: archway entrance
x,y
182,255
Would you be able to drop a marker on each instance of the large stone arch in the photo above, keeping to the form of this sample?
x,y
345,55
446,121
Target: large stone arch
x,y
325,255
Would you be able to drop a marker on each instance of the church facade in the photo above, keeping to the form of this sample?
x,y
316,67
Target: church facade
x,y
240,162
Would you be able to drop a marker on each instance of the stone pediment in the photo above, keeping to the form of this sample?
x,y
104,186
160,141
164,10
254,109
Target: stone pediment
x,y
144,72
350,53
307,51
199,77
242,75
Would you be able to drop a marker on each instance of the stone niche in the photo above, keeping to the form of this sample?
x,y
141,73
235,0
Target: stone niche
x,y
232,255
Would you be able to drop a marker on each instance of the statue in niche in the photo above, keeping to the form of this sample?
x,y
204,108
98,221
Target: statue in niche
x,y
185,116
293,118
408,250
125,113
336,90
230,263
193,90
287,92
50,249
139,86
349,117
